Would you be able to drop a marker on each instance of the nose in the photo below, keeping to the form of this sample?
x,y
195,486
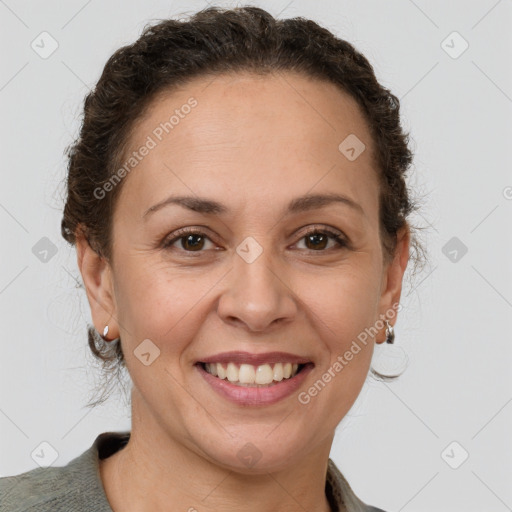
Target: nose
x,y
257,295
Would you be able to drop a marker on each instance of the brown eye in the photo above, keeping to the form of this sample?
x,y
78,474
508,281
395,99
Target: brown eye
x,y
318,239
191,240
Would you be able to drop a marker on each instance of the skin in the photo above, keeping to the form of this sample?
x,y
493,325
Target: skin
x,y
253,144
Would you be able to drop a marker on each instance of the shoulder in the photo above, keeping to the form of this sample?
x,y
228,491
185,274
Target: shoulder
x,y
74,487
41,489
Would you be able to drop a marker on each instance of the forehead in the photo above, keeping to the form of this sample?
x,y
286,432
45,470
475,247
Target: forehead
x,y
233,107
270,135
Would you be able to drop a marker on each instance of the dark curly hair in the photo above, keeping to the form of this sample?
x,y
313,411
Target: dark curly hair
x,y
214,41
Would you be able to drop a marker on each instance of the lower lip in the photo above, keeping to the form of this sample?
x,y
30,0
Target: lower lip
x,y
243,395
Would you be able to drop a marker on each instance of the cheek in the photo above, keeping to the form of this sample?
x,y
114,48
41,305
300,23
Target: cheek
x,y
161,305
343,308
343,302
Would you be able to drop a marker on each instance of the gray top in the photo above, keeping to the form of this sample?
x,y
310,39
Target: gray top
x,y
78,487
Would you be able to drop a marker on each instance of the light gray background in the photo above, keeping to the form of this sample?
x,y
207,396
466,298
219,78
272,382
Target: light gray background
x,y
454,327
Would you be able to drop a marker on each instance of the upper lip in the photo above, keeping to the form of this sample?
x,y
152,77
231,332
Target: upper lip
x,y
255,359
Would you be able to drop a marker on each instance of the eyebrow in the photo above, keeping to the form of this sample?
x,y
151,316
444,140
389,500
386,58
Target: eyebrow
x,y
300,204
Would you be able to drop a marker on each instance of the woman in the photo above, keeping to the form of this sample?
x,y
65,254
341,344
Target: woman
x,y
238,203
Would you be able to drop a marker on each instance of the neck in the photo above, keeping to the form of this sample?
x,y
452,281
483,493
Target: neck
x,y
156,473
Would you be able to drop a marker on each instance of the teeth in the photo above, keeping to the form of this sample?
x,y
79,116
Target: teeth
x,y
212,368
232,372
278,372
264,374
245,374
221,373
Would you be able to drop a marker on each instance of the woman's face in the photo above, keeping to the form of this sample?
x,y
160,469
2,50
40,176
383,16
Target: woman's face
x,y
253,289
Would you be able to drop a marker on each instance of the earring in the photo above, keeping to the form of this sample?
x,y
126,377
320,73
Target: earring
x,y
105,332
390,333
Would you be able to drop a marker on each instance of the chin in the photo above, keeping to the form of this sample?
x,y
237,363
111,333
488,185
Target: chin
x,y
257,450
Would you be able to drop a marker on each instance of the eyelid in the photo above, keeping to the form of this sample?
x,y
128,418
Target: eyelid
x,y
183,232
335,234
312,228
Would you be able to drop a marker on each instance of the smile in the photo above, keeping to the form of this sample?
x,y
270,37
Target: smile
x,y
254,379
251,375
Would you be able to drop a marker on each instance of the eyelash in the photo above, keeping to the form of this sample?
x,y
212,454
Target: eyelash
x,y
182,233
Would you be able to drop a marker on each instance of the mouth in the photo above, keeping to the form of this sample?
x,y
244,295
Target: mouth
x,y
248,375
254,379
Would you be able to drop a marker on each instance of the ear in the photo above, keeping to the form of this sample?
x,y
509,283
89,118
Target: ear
x,y
394,271
97,277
